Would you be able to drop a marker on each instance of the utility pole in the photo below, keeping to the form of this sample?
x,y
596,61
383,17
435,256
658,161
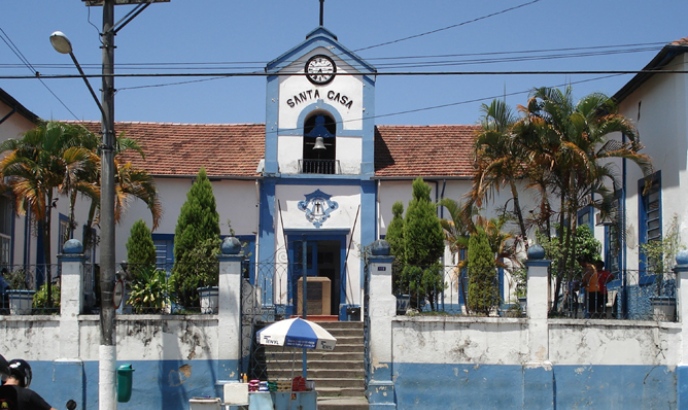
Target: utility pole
x,y
108,346
108,349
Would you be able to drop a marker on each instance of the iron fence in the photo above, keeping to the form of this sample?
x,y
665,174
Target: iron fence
x,y
626,295
24,289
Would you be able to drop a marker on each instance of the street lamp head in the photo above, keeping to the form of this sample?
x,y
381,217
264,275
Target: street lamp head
x,y
60,43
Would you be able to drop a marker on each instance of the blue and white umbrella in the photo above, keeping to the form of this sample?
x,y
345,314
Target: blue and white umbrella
x,y
297,332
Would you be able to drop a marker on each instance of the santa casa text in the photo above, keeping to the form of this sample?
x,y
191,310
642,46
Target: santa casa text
x,y
314,94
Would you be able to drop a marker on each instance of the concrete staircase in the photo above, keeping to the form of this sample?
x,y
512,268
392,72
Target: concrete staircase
x,y
339,375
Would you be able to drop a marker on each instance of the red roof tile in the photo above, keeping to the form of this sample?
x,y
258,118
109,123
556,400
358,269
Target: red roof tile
x,y
234,150
426,151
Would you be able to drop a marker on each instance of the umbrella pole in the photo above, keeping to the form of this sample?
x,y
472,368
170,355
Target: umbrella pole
x,y
304,302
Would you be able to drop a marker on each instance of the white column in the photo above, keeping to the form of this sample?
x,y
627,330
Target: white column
x,y
538,377
681,270
229,309
71,297
382,308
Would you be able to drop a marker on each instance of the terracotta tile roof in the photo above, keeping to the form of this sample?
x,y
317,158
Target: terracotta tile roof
x,y
427,151
680,42
234,150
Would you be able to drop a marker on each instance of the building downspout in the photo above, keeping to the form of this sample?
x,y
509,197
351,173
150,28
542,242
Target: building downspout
x,y
624,253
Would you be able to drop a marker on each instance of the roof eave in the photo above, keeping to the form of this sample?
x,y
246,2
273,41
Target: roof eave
x,y
666,54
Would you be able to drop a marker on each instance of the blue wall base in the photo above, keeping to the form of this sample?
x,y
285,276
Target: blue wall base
x,y
381,394
682,386
538,388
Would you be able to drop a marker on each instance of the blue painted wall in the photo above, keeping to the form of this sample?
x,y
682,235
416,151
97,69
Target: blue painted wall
x,y
167,384
471,386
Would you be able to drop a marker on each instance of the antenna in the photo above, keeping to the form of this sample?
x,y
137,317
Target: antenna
x,y
322,9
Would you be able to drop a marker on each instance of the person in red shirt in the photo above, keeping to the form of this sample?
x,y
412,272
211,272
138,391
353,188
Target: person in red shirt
x,y
596,280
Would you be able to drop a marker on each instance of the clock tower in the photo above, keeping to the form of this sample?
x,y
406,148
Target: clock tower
x,y
318,194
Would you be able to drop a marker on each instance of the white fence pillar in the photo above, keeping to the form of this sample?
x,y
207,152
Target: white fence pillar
x,y
229,309
71,297
382,307
538,377
69,367
681,271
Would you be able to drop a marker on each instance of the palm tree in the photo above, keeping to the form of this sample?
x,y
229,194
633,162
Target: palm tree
x,y
570,150
499,158
46,159
130,183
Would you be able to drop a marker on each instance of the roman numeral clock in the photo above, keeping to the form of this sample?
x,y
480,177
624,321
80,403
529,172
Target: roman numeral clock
x,y
320,69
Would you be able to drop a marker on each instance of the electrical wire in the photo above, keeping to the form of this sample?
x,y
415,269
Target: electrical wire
x,y
17,52
448,27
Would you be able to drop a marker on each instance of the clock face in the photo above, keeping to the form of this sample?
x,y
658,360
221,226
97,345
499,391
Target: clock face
x,y
320,69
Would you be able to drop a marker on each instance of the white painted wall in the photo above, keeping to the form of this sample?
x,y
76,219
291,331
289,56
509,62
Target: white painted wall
x,y
659,109
289,217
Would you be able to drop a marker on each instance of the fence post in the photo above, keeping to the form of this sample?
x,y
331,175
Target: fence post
x,y
68,369
538,378
681,270
382,307
229,309
71,297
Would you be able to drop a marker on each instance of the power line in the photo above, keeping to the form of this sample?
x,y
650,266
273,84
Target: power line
x,y
7,40
448,27
378,74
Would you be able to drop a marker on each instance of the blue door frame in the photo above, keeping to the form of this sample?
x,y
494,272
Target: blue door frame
x,y
295,253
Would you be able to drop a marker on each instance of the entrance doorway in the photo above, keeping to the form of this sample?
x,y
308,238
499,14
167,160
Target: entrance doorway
x,y
324,259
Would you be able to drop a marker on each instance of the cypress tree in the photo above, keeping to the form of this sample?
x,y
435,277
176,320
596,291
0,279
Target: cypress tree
x,y
423,247
395,238
140,248
196,242
482,285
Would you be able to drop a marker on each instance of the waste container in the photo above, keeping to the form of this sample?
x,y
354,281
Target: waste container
x,y
125,376
205,403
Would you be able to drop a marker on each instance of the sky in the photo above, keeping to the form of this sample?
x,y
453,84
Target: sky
x,y
460,37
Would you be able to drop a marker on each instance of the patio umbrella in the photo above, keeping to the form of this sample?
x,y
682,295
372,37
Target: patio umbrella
x,y
296,332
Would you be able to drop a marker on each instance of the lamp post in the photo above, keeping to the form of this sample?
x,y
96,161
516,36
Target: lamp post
x,y
107,351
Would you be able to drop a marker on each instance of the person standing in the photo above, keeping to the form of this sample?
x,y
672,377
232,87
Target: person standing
x,y
595,280
15,393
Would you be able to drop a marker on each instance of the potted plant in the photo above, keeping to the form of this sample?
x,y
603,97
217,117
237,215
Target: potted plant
x,y
150,291
19,295
207,270
660,254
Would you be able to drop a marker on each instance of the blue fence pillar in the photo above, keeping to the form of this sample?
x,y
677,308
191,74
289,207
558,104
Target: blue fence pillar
x,y
68,369
538,377
681,271
382,307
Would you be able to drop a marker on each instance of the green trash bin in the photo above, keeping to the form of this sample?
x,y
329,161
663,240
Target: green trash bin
x,y
125,376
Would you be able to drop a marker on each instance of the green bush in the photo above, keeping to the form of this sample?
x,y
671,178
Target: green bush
x,y
483,294
196,243
150,291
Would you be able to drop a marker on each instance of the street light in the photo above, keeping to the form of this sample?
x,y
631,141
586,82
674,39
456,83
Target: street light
x,y
107,354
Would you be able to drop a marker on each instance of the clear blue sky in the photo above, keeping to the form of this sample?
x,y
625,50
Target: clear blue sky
x,y
242,36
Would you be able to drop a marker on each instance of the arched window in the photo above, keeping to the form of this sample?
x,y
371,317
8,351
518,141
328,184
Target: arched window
x,y
319,145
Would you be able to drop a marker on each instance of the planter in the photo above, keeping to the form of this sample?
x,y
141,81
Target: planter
x,y
21,301
663,308
403,304
209,299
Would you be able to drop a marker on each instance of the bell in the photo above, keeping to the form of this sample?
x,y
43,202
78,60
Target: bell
x,y
319,144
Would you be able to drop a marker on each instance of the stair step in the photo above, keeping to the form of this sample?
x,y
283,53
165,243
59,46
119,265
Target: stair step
x,y
343,403
337,391
339,375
